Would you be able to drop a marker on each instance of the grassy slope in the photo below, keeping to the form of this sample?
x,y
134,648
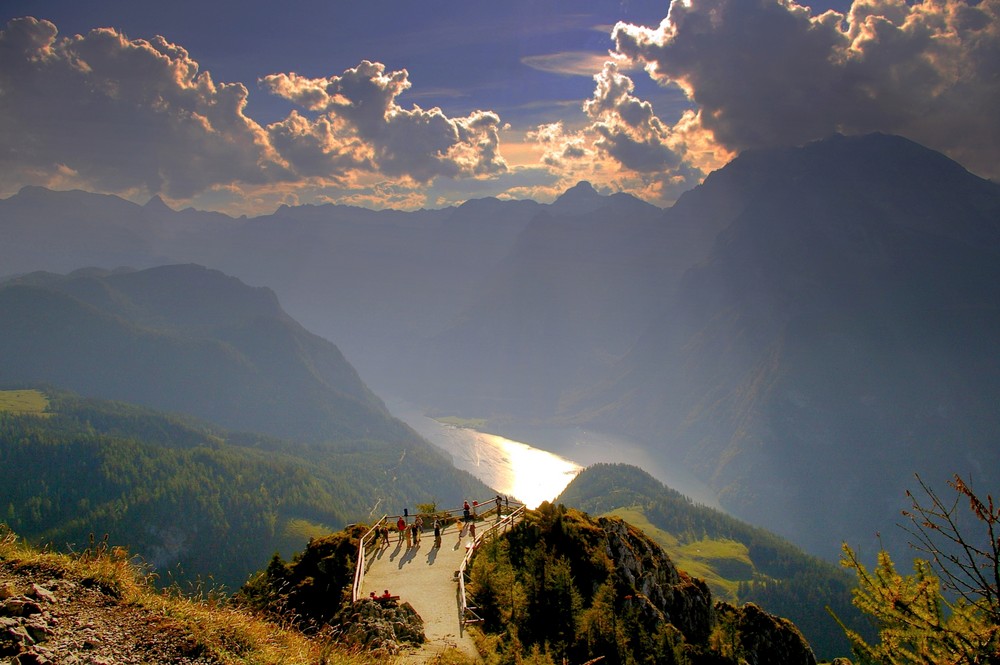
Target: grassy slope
x,y
223,632
24,402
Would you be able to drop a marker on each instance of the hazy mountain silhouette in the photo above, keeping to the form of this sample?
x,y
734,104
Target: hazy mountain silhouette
x,y
570,297
187,339
841,335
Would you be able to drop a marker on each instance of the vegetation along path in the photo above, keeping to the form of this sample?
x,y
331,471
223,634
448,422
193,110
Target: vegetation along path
x,y
427,577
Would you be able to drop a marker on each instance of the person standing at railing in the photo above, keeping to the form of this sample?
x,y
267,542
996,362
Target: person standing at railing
x,y
401,527
437,533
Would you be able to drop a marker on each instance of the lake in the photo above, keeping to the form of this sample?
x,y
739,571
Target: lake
x,y
535,464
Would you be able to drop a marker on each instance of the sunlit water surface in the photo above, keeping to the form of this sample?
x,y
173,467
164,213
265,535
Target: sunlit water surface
x,y
533,474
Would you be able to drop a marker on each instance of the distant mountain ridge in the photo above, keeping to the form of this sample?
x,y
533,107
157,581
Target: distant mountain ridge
x,y
187,339
803,331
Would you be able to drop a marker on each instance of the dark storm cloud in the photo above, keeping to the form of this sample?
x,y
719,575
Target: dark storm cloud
x,y
769,72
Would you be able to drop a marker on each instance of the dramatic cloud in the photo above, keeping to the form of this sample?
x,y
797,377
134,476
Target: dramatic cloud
x,y
629,130
625,142
769,72
119,115
136,117
106,112
416,143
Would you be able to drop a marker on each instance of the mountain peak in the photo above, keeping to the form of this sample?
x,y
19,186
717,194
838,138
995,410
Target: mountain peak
x,y
582,190
580,198
156,204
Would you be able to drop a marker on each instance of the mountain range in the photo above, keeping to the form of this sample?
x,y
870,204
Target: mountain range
x,y
194,394
804,331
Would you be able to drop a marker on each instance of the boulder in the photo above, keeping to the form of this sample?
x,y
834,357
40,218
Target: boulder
x,y
383,627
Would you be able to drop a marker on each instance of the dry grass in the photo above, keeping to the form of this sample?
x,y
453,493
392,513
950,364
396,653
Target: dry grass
x,y
229,634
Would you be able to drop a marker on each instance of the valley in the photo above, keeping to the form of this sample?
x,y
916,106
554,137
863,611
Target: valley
x,y
811,321
535,464
780,352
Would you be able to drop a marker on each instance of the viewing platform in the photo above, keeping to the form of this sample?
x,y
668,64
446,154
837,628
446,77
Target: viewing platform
x,y
431,579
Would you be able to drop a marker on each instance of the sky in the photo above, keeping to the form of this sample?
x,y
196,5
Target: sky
x,y
243,106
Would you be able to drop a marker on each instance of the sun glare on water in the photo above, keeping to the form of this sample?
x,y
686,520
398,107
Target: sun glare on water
x,y
519,470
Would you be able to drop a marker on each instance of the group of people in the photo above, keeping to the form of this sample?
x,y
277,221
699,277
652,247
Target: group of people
x,y
411,532
384,598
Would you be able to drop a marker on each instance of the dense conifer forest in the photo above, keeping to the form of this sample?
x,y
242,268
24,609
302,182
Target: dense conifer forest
x,y
189,498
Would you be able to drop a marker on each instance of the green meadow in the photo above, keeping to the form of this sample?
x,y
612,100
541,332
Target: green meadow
x,y
722,563
24,402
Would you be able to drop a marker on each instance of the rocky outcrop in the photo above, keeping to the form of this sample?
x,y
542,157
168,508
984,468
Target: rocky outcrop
x,y
25,622
382,627
664,593
58,619
759,638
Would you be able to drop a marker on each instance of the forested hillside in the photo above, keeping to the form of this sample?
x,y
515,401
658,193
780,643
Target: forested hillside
x,y
742,563
188,497
572,589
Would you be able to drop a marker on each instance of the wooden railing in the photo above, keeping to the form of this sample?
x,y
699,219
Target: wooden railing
x,y
467,613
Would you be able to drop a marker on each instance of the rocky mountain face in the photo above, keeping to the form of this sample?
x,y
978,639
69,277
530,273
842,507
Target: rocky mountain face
x,y
663,595
839,337
742,564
